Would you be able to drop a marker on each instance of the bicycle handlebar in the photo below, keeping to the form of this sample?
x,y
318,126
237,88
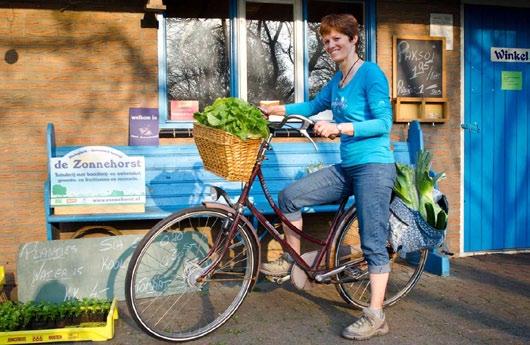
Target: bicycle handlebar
x,y
306,123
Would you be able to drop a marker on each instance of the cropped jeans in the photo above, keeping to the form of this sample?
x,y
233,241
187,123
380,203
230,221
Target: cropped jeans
x,y
370,183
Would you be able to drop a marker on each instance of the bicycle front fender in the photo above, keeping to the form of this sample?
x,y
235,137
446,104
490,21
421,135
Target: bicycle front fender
x,y
249,226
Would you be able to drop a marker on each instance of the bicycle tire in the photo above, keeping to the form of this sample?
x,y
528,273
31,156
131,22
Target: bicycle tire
x,y
161,291
353,284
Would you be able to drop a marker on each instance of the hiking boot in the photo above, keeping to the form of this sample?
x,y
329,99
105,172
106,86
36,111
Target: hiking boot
x,y
367,326
279,267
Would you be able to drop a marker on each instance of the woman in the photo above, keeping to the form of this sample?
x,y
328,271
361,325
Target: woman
x,y
358,96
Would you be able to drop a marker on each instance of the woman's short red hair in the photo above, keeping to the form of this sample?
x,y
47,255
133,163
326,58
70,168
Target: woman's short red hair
x,y
344,23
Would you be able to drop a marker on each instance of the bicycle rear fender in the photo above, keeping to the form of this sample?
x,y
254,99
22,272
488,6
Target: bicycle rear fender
x,y
253,232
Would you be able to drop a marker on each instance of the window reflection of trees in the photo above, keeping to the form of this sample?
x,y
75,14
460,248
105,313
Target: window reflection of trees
x,y
321,67
198,59
270,56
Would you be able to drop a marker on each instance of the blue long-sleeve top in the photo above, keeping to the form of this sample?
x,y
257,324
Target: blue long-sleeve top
x,y
365,102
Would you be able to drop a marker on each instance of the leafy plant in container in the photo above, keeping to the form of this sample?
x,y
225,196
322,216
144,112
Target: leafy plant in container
x,y
235,116
415,186
100,308
45,316
71,312
9,316
228,134
84,306
16,316
27,311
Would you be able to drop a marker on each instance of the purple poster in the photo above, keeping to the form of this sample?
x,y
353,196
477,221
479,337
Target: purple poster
x,y
143,126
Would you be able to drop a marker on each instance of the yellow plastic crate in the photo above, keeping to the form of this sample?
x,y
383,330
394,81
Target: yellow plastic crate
x,y
89,331
2,277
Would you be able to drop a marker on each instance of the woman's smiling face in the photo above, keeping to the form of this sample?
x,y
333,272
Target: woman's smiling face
x,y
338,45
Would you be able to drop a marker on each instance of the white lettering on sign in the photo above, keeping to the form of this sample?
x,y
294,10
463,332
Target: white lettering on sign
x,y
510,54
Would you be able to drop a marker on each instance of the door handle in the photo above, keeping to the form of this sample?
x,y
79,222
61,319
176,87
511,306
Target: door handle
x,y
472,127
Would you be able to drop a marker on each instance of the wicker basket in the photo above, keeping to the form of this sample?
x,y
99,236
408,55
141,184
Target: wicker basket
x,y
225,154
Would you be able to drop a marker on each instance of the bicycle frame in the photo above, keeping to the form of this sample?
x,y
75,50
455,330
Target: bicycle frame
x,y
311,269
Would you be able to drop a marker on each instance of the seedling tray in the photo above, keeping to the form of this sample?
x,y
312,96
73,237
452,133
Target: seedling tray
x,y
95,331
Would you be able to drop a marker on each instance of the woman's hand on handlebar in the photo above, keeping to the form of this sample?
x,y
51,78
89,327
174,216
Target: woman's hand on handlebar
x,y
326,129
268,110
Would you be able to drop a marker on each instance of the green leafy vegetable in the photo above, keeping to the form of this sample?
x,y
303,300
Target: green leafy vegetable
x,y
415,187
234,116
404,186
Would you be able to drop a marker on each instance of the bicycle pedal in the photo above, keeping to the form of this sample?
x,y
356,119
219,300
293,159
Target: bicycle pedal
x,y
278,279
356,273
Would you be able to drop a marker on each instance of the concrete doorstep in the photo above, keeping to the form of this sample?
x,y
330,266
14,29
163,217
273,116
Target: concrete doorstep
x,y
486,300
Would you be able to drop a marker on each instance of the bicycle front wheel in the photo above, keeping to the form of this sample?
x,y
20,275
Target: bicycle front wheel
x,y
354,282
162,292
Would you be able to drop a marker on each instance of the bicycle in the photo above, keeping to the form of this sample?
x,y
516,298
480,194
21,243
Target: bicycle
x,y
192,270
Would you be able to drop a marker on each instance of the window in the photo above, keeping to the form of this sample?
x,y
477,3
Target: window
x,y
198,50
253,49
270,52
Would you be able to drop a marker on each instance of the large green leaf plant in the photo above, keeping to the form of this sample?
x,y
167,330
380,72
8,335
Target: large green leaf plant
x,y
234,116
415,186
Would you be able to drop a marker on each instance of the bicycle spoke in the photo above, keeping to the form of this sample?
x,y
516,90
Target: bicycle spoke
x,y
169,309
402,278
168,298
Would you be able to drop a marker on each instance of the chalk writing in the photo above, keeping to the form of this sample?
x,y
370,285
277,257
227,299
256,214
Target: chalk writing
x,y
98,292
111,243
34,252
71,292
108,264
419,67
44,274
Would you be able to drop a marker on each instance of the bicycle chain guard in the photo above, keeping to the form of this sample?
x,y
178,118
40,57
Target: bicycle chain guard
x,y
298,277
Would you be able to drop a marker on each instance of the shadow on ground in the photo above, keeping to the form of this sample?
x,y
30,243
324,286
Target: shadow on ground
x,y
484,301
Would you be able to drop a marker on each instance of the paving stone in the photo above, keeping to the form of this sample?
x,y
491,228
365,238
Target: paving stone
x,y
486,300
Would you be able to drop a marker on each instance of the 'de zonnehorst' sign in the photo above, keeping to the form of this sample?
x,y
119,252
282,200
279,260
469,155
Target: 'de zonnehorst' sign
x,y
93,175
509,54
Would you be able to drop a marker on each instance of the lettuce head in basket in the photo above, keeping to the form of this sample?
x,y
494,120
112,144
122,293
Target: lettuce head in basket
x,y
234,116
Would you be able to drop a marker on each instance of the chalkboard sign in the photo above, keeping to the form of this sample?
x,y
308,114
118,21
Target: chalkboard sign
x,y
418,68
96,267
90,267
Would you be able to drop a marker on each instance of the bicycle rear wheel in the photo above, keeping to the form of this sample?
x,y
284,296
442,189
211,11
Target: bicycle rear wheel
x,y
162,292
354,282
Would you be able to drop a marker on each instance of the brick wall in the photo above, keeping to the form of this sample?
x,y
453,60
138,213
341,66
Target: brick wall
x,y
443,140
82,70
79,70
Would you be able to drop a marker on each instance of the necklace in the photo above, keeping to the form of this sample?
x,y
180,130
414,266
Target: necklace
x,y
341,84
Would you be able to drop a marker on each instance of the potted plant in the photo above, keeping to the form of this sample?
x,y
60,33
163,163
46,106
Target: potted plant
x,y
228,134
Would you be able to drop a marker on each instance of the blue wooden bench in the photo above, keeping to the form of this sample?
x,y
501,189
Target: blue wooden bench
x,y
175,177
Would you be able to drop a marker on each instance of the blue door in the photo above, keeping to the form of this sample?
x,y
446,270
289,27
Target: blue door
x,y
497,129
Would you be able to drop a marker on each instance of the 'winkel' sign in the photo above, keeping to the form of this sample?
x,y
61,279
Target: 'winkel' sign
x,y
510,54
